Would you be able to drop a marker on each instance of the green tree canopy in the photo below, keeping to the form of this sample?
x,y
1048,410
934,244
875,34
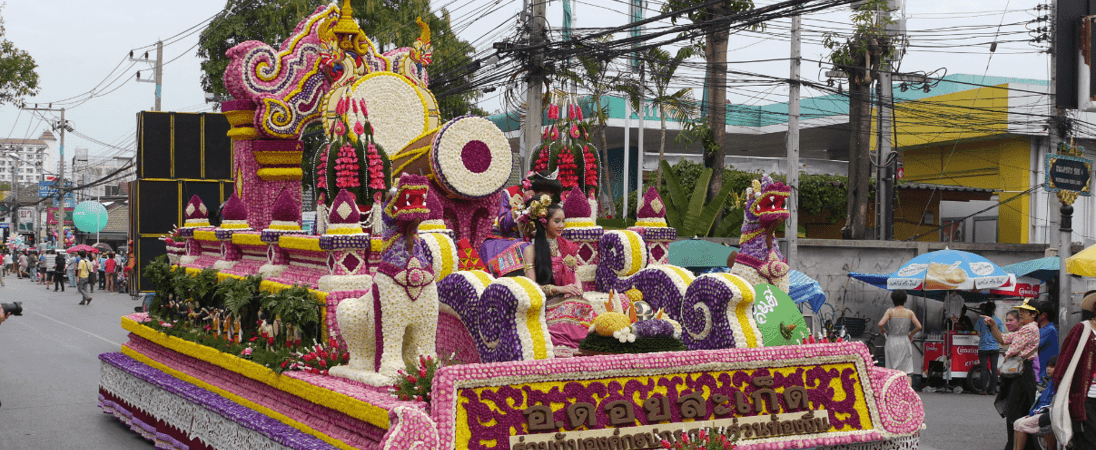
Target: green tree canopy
x,y
18,77
390,24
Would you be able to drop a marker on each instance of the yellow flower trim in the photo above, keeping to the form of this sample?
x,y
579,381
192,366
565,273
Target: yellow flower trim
x,y
652,223
376,244
235,398
743,311
240,117
284,227
278,158
248,239
864,397
579,224
443,251
194,223
343,403
311,243
635,247
243,133
279,173
354,229
532,316
205,235
234,226
431,226
411,155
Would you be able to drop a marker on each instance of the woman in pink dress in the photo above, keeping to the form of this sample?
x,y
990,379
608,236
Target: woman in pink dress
x,y
551,261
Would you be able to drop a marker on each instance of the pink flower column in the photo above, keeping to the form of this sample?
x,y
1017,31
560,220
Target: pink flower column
x,y
258,194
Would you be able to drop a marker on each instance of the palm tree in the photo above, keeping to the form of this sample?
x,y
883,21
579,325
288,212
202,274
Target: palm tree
x,y
596,76
679,104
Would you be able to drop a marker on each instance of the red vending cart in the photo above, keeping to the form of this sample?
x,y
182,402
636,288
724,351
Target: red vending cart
x,y
957,350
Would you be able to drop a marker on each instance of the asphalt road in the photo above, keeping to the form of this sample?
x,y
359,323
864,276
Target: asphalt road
x,y
49,369
49,378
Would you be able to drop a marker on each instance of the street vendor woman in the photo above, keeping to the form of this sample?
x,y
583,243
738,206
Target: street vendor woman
x,y
551,261
1016,394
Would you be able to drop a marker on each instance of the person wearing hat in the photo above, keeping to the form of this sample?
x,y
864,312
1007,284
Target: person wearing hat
x,y
1082,388
1016,394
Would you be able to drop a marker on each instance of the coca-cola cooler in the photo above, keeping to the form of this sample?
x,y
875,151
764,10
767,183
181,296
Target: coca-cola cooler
x,y
964,353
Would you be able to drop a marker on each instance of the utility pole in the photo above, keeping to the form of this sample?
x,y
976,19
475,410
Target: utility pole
x,y
885,175
791,232
635,15
534,95
61,125
158,70
1064,237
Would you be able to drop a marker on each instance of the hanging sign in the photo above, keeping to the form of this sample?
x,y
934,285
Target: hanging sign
x,y
1068,173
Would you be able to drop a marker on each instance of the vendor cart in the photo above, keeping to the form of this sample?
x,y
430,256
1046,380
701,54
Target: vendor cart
x,y
949,356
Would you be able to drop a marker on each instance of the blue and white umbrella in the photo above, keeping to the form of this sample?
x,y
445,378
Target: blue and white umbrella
x,y
947,270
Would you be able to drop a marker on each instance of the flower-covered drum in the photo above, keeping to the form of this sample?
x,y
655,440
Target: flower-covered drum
x,y
468,157
398,110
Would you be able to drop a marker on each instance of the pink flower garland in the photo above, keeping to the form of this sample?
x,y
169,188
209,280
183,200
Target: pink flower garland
x,y
376,168
566,164
346,168
590,165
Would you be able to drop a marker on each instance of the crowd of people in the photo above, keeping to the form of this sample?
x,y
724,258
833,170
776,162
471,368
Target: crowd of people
x,y
1018,359
86,272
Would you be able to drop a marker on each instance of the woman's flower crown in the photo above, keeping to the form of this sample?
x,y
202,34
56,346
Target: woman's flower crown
x,y
537,210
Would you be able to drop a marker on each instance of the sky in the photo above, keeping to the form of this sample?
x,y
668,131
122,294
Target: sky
x,y
83,46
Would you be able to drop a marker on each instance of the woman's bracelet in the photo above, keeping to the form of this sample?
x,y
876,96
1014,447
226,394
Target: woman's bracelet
x,y
547,290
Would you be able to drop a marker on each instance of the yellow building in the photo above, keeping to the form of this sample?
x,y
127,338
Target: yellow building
x,y
992,136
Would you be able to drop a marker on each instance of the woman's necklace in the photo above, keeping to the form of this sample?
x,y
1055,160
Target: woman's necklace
x,y
553,247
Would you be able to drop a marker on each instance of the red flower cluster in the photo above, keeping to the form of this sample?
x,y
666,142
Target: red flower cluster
x,y
321,169
553,112
702,441
589,166
575,133
346,168
566,164
417,380
376,168
320,358
541,163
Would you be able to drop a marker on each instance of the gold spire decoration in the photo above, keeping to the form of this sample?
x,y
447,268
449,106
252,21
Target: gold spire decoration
x,y
346,28
425,36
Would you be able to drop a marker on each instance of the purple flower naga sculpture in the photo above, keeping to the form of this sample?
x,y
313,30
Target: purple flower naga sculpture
x,y
402,303
759,259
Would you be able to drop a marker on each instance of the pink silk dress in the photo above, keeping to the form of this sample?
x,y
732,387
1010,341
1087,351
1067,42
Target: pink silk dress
x,y
568,318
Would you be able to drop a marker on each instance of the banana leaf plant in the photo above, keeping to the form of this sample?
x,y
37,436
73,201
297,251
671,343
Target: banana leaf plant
x,y
691,216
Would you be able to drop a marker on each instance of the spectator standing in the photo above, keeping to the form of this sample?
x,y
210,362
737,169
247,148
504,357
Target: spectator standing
x,y
93,271
899,325
1082,388
23,265
101,264
41,264
1048,335
1015,396
49,262
84,269
70,269
988,348
59,272
110,267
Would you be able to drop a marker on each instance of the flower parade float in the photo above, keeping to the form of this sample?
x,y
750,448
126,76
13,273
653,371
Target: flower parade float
x,y
384,331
